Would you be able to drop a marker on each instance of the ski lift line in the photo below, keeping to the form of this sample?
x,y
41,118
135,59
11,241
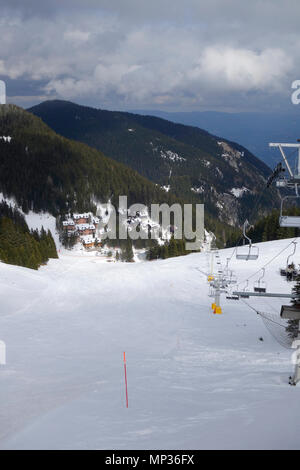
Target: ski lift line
x,y
202,272
279,334
285,158
270,305
285,161
258,198
261,314
249,306
269,262
266,294
247,251
292,254
260,285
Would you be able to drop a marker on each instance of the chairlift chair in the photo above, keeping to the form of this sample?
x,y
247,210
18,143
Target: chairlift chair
x,y
290,272
282,183
231,296
289,221
247,251
245,294
296,274
260,285
290,312
282,272
292,181
232,278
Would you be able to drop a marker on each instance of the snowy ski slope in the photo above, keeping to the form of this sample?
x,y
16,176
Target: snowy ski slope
x,y
195,380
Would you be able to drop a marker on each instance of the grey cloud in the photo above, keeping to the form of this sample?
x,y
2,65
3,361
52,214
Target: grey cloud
x,y
161,53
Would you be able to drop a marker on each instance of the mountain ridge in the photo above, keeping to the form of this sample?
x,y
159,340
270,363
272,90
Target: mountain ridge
x,y
46,171
253,130
191,163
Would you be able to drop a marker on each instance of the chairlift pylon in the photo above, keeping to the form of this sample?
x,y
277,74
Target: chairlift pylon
x,y
247,251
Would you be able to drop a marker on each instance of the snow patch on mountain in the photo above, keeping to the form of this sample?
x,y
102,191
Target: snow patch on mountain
x,y
239,192
231,155
198,190
5,138
9,200
38,220
172,156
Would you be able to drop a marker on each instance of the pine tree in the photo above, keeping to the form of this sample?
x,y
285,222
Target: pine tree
x,y
127,252
164,252
20,246
293,325
173,251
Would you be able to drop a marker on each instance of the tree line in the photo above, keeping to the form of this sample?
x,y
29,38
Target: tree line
x,y
267,229
21,246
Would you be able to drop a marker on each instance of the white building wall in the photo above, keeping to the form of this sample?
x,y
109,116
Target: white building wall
x,y
2,92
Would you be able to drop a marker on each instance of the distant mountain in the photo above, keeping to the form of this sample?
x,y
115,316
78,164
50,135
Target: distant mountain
x,y
188,162
43,171
252,130
46,172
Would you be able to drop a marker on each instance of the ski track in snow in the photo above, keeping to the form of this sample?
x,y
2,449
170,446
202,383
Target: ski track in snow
x,y
195,380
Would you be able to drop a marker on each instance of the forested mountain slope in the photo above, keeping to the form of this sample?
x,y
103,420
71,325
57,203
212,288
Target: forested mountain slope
x,y
191,163
44,171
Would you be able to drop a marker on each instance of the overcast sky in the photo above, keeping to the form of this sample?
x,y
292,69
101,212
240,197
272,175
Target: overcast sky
x,y
176,55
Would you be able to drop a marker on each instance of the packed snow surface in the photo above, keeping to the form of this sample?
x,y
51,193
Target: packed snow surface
x,y
195,380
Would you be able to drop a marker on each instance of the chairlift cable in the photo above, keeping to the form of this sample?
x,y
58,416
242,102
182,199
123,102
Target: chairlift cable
x,y
262,314
258,198
268,262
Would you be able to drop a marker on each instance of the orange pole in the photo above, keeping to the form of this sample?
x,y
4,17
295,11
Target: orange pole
x,y
126,381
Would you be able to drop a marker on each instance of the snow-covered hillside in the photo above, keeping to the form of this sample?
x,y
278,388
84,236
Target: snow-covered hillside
x,y
195,379
36,220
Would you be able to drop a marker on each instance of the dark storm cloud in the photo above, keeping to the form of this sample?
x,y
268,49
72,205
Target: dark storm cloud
x,y
171,54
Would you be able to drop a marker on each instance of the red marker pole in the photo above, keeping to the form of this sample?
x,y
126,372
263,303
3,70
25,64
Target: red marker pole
x,y
125,381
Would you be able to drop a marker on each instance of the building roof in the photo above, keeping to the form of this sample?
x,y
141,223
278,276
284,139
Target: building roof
x,y
85,227
86,239
68,222
85,215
